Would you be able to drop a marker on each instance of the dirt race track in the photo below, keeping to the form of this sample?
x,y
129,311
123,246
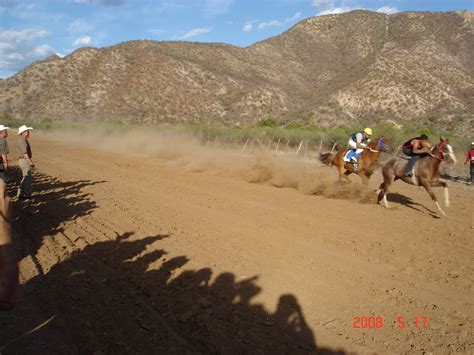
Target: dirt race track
x,y
139,254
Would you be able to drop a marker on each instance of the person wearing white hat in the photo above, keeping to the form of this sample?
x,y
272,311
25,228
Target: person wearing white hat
x,y
470,159
4,150
25,163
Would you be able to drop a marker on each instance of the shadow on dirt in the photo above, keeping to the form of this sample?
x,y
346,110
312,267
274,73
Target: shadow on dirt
x,y
454,178
114,297
125,296
407,201
53,203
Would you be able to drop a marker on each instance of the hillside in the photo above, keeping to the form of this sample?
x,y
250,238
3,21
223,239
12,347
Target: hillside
x,y
327,70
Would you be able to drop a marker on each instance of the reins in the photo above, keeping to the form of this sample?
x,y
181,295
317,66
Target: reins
x,y
441,151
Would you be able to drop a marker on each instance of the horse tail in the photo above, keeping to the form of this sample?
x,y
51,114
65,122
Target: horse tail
x,y
327,158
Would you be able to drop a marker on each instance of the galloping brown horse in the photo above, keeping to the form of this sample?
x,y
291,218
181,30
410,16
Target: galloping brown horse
x,y
366,160
426,173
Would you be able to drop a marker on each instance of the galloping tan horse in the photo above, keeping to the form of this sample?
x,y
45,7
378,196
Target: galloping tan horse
x,y
426,173
366,160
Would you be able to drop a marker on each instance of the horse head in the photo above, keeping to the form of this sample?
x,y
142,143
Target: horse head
x,y
443,149
383,145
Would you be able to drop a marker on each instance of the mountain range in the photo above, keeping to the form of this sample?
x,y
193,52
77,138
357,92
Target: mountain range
x,y
405,68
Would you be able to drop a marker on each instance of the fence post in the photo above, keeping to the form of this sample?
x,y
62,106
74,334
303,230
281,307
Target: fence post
x,y
245,144
299,148
278,144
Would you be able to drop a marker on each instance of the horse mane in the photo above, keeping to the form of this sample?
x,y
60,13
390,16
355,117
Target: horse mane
x,y
373,144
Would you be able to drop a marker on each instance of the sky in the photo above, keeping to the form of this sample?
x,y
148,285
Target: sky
x,y
34,30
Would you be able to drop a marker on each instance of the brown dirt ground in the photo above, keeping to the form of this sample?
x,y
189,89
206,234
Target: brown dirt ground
x,y
128,254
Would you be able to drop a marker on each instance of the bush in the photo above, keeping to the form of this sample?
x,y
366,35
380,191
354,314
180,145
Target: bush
x,y
267,122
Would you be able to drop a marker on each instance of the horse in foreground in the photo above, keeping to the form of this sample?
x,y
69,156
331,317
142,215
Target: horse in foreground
x,y
366,162
426,173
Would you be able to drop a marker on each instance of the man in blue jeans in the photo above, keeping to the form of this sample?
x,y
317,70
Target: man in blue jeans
x,y
415,148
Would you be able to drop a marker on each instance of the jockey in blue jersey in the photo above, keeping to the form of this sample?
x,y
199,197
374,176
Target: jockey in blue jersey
x,y
357,143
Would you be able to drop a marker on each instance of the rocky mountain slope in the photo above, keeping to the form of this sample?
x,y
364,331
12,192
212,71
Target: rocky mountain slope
x,y
328,69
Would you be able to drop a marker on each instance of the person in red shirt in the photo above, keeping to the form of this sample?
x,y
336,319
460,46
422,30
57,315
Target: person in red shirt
x,y
470,158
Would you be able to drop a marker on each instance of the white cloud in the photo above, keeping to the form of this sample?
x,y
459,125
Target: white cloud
x,y
80,26
85,41
18,49
389,10
194,32
217,7
295,17
272,23
331,7
247,27
42,51
336,10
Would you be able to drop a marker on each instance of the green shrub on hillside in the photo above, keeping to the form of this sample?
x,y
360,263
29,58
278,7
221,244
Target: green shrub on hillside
x,y
267,122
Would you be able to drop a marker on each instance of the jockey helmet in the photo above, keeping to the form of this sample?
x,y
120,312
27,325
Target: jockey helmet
x,y
368,131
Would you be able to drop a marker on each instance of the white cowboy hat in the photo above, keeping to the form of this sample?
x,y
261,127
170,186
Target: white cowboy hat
x,y
2,127
23,129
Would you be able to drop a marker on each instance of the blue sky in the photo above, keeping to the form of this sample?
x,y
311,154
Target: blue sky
x,y
33,30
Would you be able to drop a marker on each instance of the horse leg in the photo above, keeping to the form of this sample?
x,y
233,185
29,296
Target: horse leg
x,y
385,192
427,186
379,190
389,177
382,192
442,183
342,175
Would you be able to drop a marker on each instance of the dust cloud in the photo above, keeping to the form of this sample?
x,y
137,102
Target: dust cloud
x,y
254,165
